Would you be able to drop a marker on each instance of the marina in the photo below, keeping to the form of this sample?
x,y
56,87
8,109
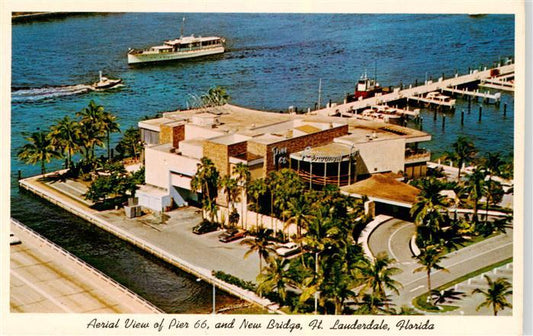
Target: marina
x,y
426,93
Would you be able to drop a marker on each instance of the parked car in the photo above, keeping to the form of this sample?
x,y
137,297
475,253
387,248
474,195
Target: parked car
x,y
204,227
287,249
14,240
231,235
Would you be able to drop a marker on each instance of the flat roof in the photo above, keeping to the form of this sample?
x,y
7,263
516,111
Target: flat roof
x,y
327,151
230,139
254,123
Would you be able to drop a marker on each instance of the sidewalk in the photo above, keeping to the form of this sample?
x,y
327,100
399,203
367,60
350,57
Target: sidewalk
x,y
172,241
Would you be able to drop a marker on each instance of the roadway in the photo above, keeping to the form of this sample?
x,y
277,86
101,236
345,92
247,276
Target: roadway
x,y
393,237
46,279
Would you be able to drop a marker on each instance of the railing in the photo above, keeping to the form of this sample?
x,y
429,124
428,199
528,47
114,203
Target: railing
x,y
88,267
152,249
412,155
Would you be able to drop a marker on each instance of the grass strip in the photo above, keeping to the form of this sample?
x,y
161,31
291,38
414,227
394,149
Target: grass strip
x,y
420,301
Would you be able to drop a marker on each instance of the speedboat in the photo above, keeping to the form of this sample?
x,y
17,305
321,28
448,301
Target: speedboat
x,y
105,83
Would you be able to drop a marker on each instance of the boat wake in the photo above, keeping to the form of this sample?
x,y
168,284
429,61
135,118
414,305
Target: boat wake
x,y
28,95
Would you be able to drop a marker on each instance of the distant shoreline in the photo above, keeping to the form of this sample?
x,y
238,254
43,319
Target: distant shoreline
x,y
22,17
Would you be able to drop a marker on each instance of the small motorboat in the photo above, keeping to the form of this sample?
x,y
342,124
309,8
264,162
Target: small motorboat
x,y
105,83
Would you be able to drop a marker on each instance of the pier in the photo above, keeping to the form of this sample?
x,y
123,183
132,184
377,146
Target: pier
x,y
505,82
486,96
418,92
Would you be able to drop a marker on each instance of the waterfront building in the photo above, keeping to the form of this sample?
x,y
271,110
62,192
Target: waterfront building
x,y
322,150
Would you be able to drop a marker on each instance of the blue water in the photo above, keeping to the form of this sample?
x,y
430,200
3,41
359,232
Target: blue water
x,y
272,62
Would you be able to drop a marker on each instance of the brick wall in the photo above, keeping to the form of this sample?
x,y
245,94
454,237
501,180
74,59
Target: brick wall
x,y
236,149
218,153
178,134
165,134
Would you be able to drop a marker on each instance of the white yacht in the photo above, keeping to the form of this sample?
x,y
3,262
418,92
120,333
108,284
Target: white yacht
x,y
180,48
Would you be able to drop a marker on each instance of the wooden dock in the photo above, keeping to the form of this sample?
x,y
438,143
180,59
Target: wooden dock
x,y
433,99
397,95
486,96
505,82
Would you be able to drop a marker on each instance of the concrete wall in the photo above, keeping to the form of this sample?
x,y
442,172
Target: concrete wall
x,y
194,132
158,164
194,150
380,156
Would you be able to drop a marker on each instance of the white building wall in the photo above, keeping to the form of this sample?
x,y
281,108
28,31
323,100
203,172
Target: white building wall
x,y
159,164
381,156
194,150
195,132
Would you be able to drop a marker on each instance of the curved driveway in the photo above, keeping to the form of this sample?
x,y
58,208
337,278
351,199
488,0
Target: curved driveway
x,y
393,237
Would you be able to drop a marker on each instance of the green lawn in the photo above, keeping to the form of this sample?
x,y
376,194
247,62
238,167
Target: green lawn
x,y
420,301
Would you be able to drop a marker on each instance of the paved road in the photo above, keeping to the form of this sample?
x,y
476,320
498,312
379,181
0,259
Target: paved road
x,y
44,279
393,237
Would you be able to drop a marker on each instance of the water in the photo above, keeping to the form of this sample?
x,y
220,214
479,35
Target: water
x,y
273,62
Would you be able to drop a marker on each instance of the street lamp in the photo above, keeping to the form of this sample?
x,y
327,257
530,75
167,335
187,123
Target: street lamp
x,y
214,294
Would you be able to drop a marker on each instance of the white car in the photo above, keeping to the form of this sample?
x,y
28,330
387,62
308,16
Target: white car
x,y
13,240
287,249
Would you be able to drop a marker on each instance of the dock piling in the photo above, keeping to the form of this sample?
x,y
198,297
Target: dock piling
x,y
480,113
435,114
462,117
443,122
19,175
421,122
505,109
469,103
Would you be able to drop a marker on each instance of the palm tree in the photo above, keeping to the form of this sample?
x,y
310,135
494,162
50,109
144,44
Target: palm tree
x,y
377,275
130,144
444,296
260,244
38,150
337,285
491,164
109,125
230,187
299,214
274,276
474,188
495,295
429,209
243,179
65,136
429,258
205,180
256,190
371,305
216,96
91,121
464,151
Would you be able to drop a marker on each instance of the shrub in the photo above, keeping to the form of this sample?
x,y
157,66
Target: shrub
x,y
231,279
